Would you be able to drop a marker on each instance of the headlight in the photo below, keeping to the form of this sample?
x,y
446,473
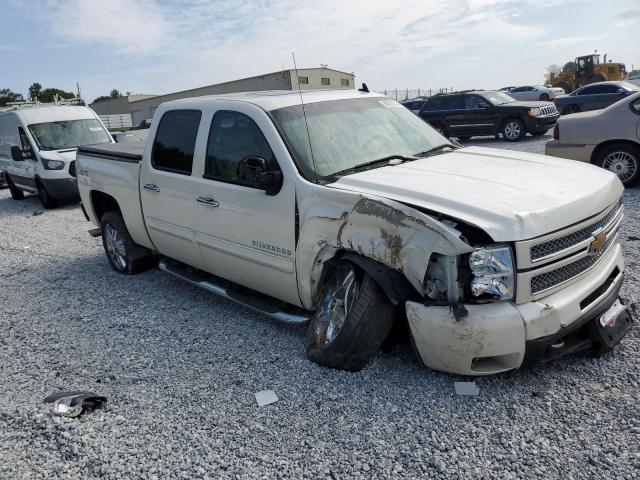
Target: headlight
x,y
53,164
492,272
534,112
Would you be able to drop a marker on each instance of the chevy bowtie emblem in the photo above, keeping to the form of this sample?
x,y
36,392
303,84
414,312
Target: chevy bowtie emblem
x,y
598,243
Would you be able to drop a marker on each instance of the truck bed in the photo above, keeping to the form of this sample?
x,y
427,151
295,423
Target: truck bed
x,y
121,152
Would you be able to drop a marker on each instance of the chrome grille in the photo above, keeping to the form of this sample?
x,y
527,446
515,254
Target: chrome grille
x,y
553,278
548,110
556,245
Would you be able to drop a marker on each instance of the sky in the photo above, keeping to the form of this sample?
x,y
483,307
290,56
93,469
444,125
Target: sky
x,y
161,46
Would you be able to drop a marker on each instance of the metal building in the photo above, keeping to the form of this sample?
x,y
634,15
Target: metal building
x,y
307,79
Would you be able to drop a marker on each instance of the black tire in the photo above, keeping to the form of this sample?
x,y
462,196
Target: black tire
x,y
16,193
563,85
544,97
621,159
47,201
513,130
365,327
569,109
441,129
129,258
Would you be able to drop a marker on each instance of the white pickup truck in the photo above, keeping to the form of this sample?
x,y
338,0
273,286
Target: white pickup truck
x,y
348,210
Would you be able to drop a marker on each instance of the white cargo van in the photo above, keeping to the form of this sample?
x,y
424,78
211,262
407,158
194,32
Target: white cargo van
x,y
38,149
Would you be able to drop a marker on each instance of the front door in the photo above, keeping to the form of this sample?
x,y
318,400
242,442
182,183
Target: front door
x,y
166,186
480,116
23,173
245,235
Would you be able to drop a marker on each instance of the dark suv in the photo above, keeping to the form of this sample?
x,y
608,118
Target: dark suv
x,y
476,113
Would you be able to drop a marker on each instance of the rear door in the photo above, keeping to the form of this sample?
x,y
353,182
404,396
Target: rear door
x,y
167,185
245,235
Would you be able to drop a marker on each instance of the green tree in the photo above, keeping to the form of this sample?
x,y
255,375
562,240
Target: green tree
x,y
101,98
635,72
34,91
569,66
48,95
115,94
7,96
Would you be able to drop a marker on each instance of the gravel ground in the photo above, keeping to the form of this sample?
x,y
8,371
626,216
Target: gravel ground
x,y
180,368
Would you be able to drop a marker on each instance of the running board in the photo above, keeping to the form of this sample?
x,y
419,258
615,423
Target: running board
x,y
259,302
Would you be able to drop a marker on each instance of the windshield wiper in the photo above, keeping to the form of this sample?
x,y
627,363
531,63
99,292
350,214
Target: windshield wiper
x,y
435,150
363,166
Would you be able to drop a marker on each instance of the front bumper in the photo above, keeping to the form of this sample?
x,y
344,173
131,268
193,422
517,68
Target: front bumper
x,y
497,337
572,151
61,188
541,124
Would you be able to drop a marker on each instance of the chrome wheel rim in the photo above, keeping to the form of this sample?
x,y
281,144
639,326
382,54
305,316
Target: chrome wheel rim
x,y
512,130
622,164
115,247
337,300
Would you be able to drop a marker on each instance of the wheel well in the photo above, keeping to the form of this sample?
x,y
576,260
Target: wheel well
x,y
608,143
393,283
103,203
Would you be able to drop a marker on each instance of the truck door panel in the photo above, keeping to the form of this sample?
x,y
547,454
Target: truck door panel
x,y
244,235
166,186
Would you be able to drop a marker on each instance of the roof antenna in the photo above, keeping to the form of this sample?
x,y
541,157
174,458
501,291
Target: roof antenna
x,y
304,113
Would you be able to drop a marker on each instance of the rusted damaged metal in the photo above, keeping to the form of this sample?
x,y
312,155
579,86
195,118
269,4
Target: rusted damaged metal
x,y
390,232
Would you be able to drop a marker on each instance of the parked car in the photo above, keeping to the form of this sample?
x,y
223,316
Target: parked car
x,y
535,92
38,148
414,104
469,114
609,138
506,89
594,97
355,209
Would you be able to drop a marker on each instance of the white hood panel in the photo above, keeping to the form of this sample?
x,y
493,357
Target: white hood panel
x,y
510,195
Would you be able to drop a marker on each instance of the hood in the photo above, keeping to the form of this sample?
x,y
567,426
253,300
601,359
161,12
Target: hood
x,y
66,154
523,104
510,195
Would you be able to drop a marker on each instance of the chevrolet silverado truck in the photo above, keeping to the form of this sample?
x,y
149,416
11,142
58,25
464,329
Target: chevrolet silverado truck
x,y
344,209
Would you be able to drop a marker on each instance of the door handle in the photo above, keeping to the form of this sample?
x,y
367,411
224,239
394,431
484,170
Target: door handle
x,y
210,202
151,187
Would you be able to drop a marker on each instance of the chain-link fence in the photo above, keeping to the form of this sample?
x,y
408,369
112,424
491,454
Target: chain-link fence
x,y
401,94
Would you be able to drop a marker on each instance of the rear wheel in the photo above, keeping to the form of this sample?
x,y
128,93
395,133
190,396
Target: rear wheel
x,y
125,256
352,320
46,199
441,130
16,193
623,160
569,109
513,130
544,97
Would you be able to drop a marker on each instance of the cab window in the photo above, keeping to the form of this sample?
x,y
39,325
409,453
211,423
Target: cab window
x,y
175,141
232,139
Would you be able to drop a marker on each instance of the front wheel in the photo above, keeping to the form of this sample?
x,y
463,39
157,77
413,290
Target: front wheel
x,y
623,160
544,97
513,130
351,322
46,199
125,256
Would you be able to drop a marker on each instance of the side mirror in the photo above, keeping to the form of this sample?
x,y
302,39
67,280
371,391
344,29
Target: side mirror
x,y
270,182
16,154
257,170
620,91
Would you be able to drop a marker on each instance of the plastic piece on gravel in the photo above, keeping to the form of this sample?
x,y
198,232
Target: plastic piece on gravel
x,y
466,388
266,397
74,403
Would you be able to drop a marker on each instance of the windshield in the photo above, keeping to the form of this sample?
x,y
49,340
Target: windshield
x,y
348,133
498,98
69,134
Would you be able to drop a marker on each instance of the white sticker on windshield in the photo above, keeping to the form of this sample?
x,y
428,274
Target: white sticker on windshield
x,y
389,103
95,129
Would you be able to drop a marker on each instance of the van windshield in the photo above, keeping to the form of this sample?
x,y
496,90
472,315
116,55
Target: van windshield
x,y
68,134
354,132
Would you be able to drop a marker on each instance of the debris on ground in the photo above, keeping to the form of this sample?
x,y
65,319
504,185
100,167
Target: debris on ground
x,y
466,388
266,397
74,403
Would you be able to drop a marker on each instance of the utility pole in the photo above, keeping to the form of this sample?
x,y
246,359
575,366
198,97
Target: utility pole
x,y
78,87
